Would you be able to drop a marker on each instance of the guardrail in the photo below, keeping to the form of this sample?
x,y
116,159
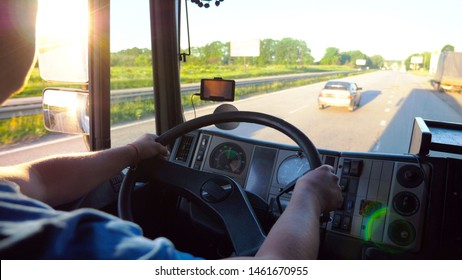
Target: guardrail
x,y
33,105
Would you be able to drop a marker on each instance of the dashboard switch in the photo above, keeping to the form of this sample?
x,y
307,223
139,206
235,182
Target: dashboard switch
x,y
356,168
336,221
346,167
344,184
200,156
346,223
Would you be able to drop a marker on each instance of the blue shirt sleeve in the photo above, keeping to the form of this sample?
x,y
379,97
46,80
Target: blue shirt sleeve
x,y
30,229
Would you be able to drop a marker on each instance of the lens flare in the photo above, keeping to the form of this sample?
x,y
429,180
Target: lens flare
x,y
374,227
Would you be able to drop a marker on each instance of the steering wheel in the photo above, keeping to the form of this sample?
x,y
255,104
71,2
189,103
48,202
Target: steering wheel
x,y
216,192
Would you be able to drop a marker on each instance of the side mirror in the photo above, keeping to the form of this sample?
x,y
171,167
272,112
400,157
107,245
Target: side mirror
x,y
66,111
62,39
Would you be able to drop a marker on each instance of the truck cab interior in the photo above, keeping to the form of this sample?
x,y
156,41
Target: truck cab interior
x,y
228,179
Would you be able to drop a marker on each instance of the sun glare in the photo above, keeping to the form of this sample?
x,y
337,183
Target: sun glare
x,y
62,35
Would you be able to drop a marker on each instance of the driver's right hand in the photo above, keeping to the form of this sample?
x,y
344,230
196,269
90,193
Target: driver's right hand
x,y
322,184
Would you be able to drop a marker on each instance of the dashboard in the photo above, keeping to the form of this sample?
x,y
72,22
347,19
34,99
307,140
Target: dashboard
x,y
404,206
385,196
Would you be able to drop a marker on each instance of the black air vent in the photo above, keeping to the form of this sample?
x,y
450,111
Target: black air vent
x,y
184,148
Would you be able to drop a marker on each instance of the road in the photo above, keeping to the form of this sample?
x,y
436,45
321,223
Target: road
x,y
33,105
382,123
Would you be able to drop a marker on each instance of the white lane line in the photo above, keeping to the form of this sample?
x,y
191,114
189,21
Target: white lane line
x,y
299,109
68,138
383,123
39,145
387,110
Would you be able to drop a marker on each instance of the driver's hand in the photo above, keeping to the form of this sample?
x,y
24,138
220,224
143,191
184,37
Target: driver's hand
x,y
148,147
322,184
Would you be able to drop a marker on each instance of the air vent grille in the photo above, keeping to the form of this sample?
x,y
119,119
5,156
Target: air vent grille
x,y
184,148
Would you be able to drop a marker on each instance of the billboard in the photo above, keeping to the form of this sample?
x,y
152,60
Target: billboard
x,y
417,59
360,62
245,48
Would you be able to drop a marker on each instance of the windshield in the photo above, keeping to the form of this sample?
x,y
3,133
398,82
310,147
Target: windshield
x,y
281,55
337,85
388,49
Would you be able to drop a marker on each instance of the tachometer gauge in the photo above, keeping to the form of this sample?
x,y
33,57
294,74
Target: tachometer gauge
x,y
228,157
292,168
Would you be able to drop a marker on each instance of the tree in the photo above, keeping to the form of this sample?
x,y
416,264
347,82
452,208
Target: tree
x,y
214,53
131,57
377,61
350,57
290,51
426,56
332,57
267,52
447,48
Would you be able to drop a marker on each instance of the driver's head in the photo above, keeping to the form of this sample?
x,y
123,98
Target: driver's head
x,y
17,44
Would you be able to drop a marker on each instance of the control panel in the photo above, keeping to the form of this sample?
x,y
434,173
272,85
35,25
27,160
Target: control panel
x,y
384,202
384,197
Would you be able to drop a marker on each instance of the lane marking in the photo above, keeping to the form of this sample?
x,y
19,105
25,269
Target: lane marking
x,y
383,123
299,109
67,138
51,142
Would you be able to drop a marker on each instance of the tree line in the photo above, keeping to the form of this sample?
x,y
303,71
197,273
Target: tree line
x,y
287,51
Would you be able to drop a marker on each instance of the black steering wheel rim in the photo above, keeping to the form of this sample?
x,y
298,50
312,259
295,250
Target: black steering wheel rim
x,y
254,241
286,128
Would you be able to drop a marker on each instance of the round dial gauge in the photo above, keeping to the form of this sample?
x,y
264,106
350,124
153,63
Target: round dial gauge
x,y
228,157
292,168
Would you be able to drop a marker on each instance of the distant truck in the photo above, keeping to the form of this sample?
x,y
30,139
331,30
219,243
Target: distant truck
x,y
448,76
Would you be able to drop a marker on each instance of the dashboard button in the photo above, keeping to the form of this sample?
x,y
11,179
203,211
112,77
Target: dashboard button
x,y
346,223
200,156
337,220
401,232
406,203
346,167
356,168
344,184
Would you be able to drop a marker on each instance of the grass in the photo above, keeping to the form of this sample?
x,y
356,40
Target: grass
x,y
139,77
134,110
422,73
21,128
24,128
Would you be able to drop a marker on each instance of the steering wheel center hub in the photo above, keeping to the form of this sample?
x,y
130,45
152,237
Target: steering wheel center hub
x,y
216,189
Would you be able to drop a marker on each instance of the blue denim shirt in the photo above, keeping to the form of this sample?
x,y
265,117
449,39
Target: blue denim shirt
x,y
30,229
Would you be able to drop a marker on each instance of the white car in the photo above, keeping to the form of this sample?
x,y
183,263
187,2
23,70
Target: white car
x,y
340,94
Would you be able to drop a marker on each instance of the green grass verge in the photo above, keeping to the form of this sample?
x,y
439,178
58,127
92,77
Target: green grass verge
x,y
21,128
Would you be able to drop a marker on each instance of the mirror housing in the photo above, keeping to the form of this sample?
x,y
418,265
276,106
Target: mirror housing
x,y
62,39
66,111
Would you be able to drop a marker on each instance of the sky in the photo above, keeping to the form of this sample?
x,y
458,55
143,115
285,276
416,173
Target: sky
x,y
394,29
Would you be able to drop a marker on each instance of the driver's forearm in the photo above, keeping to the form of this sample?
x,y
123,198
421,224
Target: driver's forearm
x,y
296,233
64,178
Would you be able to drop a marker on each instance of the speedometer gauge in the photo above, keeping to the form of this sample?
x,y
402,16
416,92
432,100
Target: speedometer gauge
x,y
292,168
228,157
